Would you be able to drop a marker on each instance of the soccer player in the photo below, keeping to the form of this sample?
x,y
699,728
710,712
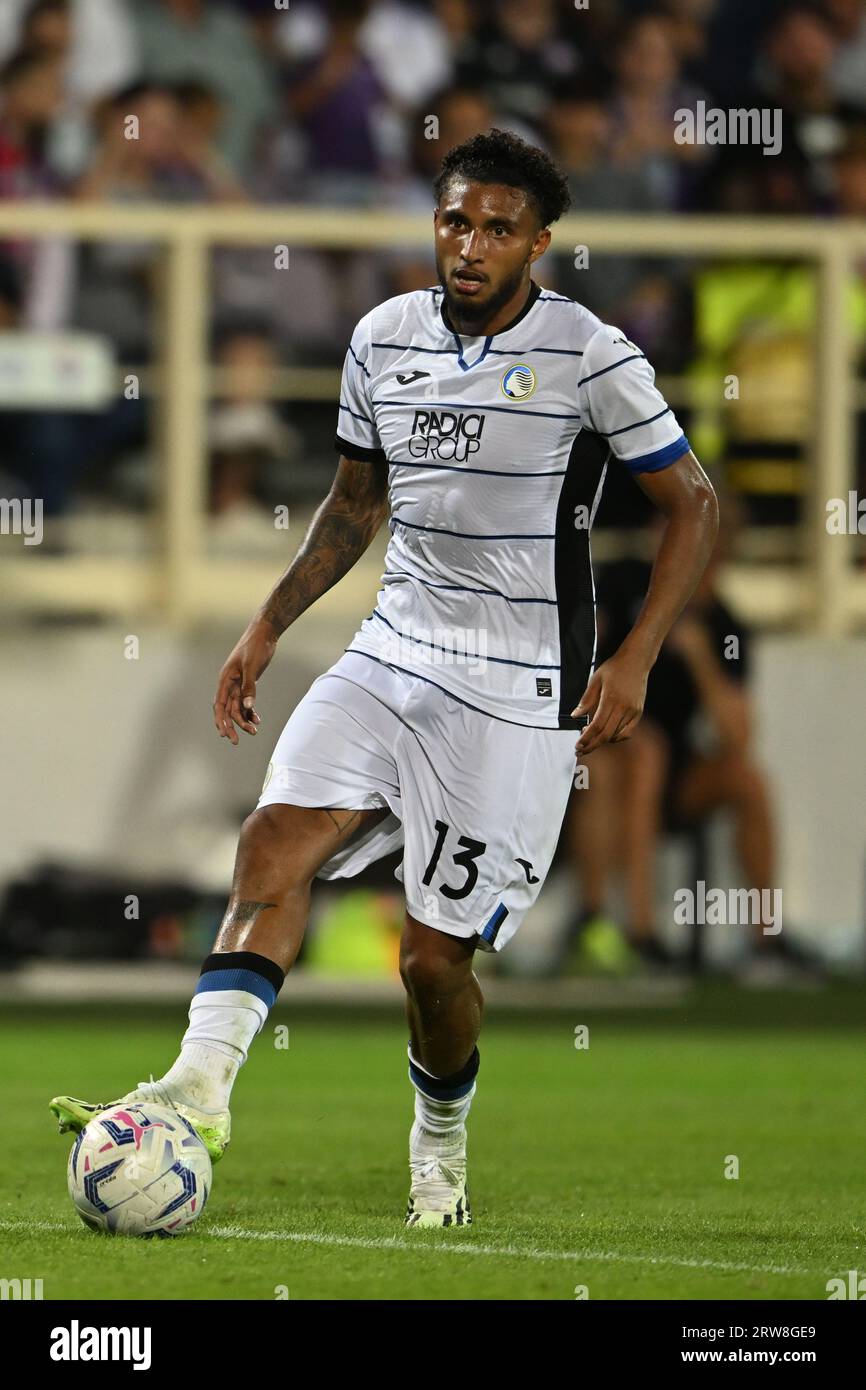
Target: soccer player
x,y
479,416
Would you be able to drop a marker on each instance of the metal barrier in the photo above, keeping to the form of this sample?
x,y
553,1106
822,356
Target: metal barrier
x,y
181,585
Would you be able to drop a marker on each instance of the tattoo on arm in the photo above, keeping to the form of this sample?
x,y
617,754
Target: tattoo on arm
x,y
340,532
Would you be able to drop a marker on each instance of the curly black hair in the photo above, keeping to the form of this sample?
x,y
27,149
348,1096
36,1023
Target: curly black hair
x,y
497,156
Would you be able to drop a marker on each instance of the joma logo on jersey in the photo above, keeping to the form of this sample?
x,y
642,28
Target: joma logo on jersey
x,y
445,434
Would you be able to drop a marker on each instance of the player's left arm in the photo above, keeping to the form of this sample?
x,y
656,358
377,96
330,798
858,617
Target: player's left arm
x,y
616,692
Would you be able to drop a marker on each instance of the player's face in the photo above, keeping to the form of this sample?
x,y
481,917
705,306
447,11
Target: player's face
x,y
486,237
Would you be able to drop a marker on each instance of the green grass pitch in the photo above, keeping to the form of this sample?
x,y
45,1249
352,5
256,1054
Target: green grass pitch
x,y
601,1167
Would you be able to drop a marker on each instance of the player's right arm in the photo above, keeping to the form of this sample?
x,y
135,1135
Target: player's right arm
x,y
339,533
622,404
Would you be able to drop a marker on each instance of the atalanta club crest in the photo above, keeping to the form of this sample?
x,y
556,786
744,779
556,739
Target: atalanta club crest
x,y
518,382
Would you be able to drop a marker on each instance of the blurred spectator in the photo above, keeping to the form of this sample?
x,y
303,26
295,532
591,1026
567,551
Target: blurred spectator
x,y
795,74
410,50
800,49
691,756
48,26
31,94
649,90
458,19
244,440
519,55
31,99
329,151
200,123
849,175
170,154
733,30
47,29
848,74
580,134
252,449
209,42
641,295
579,130
311,306
97,35
689,28
47,453
335,98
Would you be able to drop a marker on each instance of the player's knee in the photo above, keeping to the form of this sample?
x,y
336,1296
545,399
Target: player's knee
x,y
424,972
267,850
261,829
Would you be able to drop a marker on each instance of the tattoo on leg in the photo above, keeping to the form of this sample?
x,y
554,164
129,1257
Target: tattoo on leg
x,y
244,913
342,826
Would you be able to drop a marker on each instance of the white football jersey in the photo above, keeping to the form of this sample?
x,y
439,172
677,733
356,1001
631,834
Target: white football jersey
x,y
497,447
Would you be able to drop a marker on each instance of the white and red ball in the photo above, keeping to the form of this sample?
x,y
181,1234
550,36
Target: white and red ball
x,y
139,1170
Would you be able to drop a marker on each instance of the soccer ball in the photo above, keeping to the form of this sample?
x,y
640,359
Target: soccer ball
x,y
139,1170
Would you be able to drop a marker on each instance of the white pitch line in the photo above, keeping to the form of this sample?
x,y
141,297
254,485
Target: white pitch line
x,y
504,1251
461,1248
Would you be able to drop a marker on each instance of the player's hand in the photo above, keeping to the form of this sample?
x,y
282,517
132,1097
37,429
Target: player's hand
x,y
615,699
234,703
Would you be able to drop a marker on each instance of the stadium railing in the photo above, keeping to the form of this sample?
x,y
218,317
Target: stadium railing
x,y
825,593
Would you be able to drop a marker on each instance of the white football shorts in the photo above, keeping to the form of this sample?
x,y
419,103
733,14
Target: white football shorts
x,y
475,802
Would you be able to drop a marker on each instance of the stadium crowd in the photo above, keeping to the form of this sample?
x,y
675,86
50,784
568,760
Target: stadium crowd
x,y
325,100
329,103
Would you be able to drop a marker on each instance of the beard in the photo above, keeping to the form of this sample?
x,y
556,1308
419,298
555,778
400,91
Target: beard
x,y
467,314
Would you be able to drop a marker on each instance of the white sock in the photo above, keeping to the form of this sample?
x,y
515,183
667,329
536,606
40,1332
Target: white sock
x,y
439,1119
222,1025
202,1076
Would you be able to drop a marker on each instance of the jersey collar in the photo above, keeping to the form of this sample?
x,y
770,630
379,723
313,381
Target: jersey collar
x,y
534,292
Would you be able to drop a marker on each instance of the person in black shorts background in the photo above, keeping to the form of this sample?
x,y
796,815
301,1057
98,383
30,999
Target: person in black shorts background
x,y
692,756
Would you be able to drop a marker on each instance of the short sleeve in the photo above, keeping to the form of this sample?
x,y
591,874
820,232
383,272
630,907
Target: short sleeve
x,y
357,436
623,405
